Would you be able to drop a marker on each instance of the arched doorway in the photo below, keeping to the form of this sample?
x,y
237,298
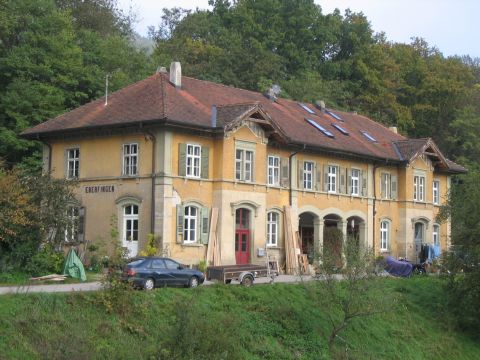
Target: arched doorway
x,y
419,238
333,240
242,236
306,230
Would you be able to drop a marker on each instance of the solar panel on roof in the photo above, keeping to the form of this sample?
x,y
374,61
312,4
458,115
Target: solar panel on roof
x,y
306,108
368,136
320,127
341,129
335,116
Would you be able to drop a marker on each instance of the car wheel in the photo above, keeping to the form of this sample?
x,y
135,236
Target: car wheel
x,y
149,284
247,281
193,282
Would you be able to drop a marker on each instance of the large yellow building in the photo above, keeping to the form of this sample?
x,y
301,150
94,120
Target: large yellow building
x,y
193,161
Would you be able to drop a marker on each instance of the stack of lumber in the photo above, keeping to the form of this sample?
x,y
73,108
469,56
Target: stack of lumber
x,y
291,244
52,277
303,263
213,249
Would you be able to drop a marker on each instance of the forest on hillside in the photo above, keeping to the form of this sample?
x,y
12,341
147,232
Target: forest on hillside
x,y
56,54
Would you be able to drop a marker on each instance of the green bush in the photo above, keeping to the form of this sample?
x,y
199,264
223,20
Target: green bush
x,y
46,261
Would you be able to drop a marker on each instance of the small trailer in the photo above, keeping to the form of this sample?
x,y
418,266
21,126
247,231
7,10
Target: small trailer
x,y
245,273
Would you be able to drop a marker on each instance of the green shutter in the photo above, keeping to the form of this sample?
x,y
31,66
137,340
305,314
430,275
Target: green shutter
x,y
394,187
300,175
349,181
284,176
182,159
180,212
204,170
204,225
81,225
343,185
363,179
325,178
318,177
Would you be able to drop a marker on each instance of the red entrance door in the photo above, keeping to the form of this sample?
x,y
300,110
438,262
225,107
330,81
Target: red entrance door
x,y
242,236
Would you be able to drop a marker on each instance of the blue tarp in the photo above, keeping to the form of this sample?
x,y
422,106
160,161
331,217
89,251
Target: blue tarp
x,y
398,268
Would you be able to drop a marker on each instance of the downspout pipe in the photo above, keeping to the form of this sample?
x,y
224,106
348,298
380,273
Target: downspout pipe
x,y
290,200
153,175
375,167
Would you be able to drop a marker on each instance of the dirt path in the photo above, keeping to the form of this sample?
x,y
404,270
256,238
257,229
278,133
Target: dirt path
x,y
94,286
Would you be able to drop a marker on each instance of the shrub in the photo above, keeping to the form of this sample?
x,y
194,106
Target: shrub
x,y
46,261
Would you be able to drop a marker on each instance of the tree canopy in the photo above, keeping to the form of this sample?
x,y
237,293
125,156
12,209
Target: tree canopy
x,y
54,57
333,57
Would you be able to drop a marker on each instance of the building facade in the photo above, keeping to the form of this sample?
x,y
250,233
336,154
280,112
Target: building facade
x,y
194,162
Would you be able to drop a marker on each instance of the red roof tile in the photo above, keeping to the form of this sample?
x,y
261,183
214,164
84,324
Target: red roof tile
x,y
155,99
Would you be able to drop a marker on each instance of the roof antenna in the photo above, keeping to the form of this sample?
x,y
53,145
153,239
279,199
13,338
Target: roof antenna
x,y
106,89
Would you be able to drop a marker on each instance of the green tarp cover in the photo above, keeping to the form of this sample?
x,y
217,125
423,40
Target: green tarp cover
x,y
74,267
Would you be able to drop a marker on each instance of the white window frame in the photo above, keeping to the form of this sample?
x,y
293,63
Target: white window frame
x,y
384,235
190,224
355,182
436,192
273,226
130,159
193,160
308,168
71,228
244,165
419,188
273,162
128,235
73,163
332,179
436,234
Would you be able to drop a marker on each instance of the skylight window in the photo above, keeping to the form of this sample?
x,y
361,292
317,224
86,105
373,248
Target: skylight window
x,y
320,127
335,116
306,108
341,129
368,136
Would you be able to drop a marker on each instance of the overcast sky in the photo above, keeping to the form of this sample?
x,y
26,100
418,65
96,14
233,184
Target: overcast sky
x,y
450,25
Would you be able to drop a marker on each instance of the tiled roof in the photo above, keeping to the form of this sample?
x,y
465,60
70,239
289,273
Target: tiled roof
x,y
410,147
156,99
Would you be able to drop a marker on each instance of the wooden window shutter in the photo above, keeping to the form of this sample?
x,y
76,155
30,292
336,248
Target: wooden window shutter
x,y
394,187
363,179
383,187
349,181
81,225
182,159
318,177
284,168
343,185
325,177
300,175
205,166
180,212
204,225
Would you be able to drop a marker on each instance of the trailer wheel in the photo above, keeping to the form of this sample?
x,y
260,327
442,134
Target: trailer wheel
x,y
228,281
247,280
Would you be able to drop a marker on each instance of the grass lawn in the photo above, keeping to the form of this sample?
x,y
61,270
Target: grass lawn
x,y
279,321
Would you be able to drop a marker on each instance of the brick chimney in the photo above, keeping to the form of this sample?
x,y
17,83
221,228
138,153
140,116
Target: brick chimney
x,y
176,74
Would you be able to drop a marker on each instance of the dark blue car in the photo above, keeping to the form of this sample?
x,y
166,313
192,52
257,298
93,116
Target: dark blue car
x,y
151,272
